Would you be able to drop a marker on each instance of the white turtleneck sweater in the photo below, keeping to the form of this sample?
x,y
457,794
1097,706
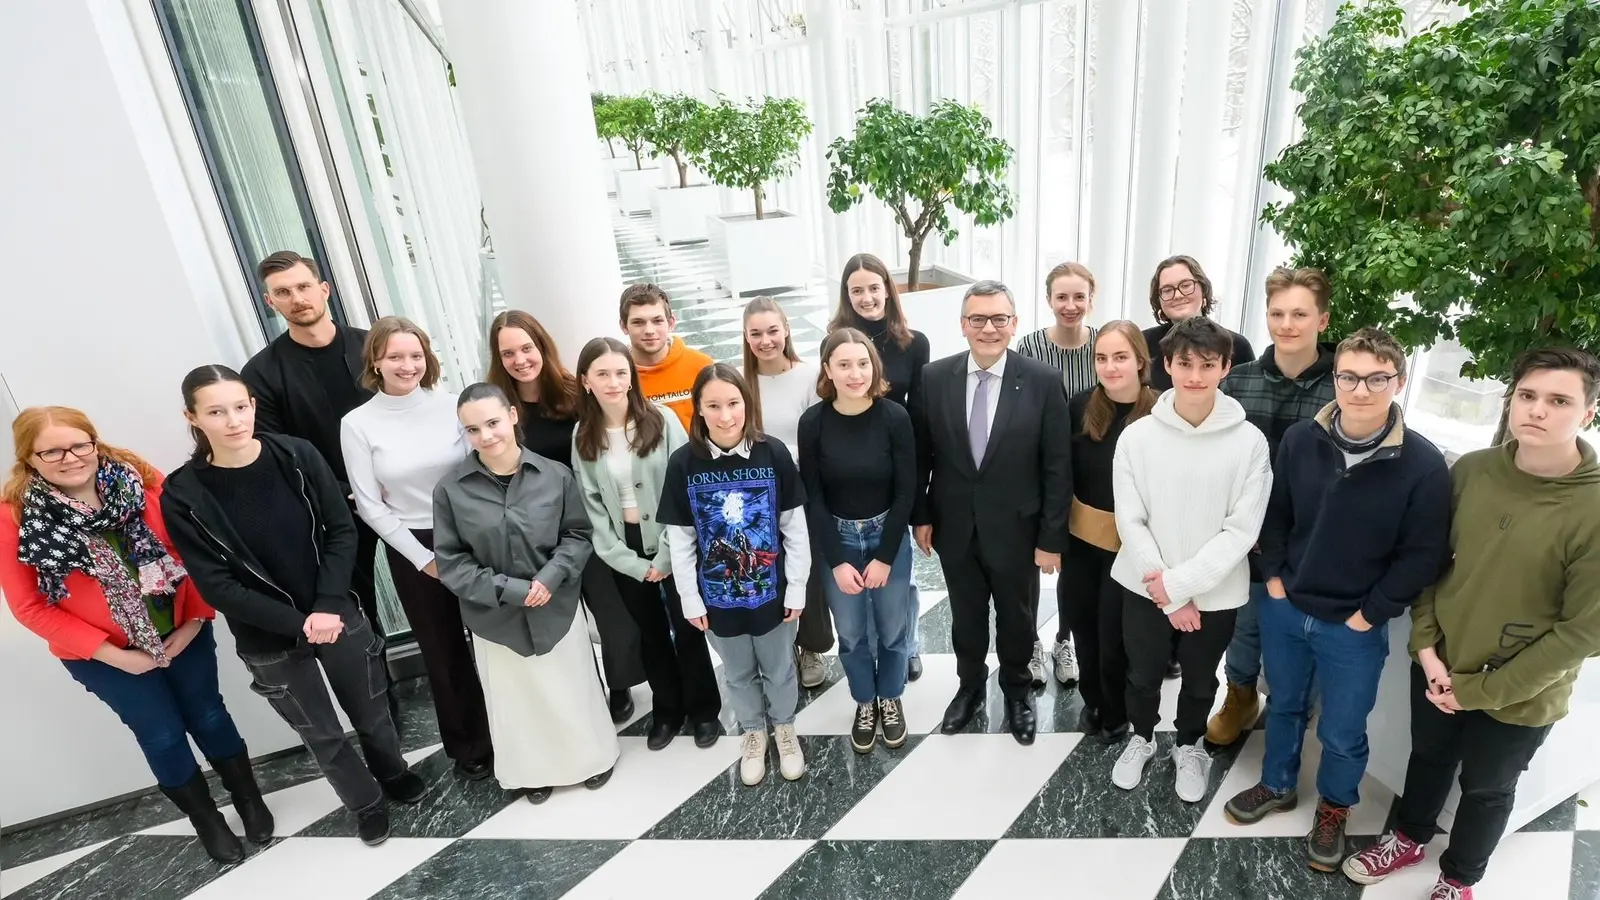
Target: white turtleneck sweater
x,y
1189,503
395,450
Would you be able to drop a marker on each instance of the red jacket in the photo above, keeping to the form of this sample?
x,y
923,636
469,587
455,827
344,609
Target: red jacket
x,y
77,625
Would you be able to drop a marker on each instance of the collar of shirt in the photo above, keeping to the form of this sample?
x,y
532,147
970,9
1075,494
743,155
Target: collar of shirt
x,y
998,370
742,450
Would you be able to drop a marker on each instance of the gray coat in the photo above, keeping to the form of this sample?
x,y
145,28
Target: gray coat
x,y
492,542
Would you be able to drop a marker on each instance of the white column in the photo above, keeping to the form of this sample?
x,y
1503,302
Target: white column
x,y
1114,120
830,116
615,23
1265,31
525,100
744,44
1157,166
658,75
1205,76
715,56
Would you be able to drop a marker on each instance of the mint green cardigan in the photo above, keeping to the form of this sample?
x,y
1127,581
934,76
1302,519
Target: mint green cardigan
x,y
605,507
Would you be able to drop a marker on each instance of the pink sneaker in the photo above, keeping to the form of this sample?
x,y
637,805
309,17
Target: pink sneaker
x,y
1393,852
1450,889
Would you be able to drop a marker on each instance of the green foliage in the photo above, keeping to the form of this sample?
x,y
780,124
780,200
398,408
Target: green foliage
x,y
679,129
752,143
605,119
629,118
920,166
1459,168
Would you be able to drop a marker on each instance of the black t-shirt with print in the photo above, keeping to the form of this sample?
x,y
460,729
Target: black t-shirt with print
x,y
734,504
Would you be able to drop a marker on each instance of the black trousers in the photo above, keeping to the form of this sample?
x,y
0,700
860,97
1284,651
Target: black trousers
x,y
619,636
435,616
676,661
1010,580
1492,756
815,632
1090,603
1152,642
292,682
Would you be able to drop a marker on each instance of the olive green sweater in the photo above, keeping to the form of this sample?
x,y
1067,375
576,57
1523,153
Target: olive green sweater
x,y
1519,610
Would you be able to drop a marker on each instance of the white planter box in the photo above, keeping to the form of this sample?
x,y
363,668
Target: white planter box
x,y
759,254
680,213
634,187
935,309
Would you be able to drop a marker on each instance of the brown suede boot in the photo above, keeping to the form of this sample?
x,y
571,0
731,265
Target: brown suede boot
x,y
1239,711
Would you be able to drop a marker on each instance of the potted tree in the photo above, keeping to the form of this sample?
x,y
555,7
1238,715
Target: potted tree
x,y
605,128
920,167
633,117
750,145
677,133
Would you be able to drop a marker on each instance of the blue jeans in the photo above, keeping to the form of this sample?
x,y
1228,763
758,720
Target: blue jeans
x,y
1345,664
886,609
1242,665
164,706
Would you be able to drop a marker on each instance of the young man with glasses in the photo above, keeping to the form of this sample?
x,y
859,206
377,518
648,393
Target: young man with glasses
x,y
1180,289
1500,639
995,487
1357,527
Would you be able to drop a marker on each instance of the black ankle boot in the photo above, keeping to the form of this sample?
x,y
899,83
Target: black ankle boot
x,y
194,798
240,781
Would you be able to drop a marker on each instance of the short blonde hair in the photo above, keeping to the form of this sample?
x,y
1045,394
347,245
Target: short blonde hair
x,y
1313,280
378,344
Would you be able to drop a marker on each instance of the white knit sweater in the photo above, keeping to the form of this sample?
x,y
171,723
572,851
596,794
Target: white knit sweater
x,y
1190,501
395,450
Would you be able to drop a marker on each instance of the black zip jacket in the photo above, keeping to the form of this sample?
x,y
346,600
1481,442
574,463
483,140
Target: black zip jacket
x,y
290,398
263,617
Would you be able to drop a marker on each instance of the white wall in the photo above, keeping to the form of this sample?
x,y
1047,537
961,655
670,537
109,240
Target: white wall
x,y
113,292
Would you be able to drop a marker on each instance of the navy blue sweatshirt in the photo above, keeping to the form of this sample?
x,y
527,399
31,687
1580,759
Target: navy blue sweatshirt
x,y
1369,537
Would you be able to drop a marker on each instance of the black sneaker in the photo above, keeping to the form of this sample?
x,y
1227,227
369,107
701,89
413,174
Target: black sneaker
x,y
408,788
864,733
474,769
596,782
372,826
621,704
538,795
892,718
1325,843
1089,720
1253,804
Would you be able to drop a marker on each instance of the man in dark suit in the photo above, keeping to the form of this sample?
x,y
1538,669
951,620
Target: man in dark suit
x,y
993,437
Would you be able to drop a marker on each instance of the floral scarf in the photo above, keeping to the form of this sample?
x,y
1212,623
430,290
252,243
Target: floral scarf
x,y
59,535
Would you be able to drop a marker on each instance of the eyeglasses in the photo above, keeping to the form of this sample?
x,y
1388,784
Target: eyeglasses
x,y
57,454
976,323
1184,287
1377,382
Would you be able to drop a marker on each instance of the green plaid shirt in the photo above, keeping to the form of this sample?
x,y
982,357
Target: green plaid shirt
x,y
1273,402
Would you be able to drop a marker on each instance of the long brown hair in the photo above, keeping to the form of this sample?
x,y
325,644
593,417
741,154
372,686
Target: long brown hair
x,y
25,429
558,388
699,434
894,315
836,339
645,417
752,366
1102,409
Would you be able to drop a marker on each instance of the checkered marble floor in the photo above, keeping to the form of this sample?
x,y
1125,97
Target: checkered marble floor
x,y
972,816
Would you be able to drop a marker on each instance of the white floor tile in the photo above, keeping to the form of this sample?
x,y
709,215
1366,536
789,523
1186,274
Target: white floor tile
x,y
741,869
1106,869
1589,808
646,786
15,879
321,867
956,787
1368,817
927,600
1534,866
1169,701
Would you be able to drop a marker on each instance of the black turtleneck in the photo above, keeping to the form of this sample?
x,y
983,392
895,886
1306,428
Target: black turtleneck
x,y
902,366
1091,459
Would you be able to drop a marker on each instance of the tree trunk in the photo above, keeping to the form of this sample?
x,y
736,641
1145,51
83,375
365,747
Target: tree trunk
x,y
638,162
914,264
683,169
760,210
612,146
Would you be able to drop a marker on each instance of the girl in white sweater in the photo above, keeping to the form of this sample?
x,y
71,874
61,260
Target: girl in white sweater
x,y
1190,482
396,447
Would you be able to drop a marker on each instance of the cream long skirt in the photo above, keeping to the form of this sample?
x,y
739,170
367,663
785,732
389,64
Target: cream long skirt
x,y
547,714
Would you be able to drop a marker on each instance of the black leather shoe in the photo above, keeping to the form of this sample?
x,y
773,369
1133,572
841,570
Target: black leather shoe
x,y
474,769
621,705
538,795
914,668
408,788
661,733
706,733
373,826
1089,720
1115,733
961,709
194,798
240,780
596,782
1023,723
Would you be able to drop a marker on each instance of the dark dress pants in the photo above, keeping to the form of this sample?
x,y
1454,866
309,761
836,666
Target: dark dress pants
x,y
977,576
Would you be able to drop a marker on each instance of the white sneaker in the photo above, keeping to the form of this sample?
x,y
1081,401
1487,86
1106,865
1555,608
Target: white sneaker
x,y
1036,665
1194,771
753,768
791,762
1129,770
1066,662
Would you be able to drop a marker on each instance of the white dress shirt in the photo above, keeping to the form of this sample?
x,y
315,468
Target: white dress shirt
x,y
998,370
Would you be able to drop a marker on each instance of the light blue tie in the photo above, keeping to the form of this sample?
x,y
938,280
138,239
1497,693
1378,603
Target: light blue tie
x,y
978,422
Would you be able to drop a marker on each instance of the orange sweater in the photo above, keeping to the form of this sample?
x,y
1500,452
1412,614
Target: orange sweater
x,y
671,381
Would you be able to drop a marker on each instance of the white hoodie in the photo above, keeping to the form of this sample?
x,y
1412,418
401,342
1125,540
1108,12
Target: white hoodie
x,y
1190,502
